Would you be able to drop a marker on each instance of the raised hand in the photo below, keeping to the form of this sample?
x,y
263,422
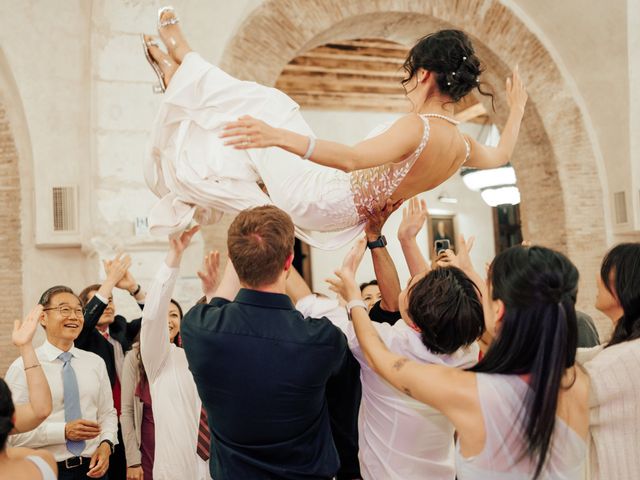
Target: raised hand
x,y
344,285
128,282
377,216
117,268
23,331
462,260
516,92
178,244
210,273
414,215
248,132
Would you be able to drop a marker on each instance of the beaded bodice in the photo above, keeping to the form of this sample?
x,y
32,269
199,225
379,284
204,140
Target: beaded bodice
x,y
375,185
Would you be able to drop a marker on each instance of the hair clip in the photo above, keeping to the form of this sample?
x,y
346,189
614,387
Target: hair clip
x,y
464,58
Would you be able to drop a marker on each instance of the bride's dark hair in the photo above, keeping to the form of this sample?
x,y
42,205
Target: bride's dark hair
x,y
450,55
7,410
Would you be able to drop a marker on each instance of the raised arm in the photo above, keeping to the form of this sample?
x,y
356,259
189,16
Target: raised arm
x,y
154,334
414,216
115,270
32,414
449,390
482,156
463,261
395,144
386,273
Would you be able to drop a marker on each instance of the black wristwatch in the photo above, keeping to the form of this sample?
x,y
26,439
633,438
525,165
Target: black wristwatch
x,y
378,243
110,443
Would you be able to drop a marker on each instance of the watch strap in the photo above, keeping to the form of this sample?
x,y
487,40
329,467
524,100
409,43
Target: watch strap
x,y
379,242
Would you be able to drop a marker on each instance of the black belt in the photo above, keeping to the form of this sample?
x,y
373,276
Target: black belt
x,y
73,462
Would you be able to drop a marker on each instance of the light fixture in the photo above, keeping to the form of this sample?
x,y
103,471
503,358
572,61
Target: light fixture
x,y
478,180
445,198
505,195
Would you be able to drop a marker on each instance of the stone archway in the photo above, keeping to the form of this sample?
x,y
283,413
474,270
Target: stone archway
x,y
555,159
10,217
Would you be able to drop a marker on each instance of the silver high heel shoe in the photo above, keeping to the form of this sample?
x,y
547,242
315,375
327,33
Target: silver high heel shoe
x,y
171,21
160,87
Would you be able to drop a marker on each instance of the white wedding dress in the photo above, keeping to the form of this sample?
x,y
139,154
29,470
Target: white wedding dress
x,y
196,176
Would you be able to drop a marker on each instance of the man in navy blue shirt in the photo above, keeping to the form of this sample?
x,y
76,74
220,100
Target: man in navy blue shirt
x,y
261,368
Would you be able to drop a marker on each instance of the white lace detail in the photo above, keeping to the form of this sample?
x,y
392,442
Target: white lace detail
x,y
377,184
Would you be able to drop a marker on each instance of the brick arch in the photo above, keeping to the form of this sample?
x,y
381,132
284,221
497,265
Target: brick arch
x,y
555,159
10,212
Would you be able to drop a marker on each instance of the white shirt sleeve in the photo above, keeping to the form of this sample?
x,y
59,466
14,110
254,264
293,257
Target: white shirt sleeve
x,y
154,333
106,412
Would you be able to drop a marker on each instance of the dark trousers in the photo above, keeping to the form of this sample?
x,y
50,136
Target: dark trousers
x,y
117,460
76,473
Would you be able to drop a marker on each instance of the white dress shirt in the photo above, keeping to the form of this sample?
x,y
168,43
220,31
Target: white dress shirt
x,y
96,400
399,438
174,397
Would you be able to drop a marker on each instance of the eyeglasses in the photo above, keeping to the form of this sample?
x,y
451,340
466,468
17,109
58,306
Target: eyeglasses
x,y
66,311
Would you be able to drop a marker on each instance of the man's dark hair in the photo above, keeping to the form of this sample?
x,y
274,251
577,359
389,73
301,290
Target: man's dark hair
x,y
446,306
368,284
84,294
45,298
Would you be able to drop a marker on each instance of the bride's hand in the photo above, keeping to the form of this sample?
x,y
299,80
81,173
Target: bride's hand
x,y
516,91
248,132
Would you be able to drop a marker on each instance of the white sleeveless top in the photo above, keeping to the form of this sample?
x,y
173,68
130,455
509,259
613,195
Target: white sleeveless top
x,y
501,399
43,466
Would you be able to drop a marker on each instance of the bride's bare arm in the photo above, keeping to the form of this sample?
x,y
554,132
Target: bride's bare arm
x,y
396,143
482,156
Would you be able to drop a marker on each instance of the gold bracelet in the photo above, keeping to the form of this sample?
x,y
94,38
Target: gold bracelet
x,y
32,366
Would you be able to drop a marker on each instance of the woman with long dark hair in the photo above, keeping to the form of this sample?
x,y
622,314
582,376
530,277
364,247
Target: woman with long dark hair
x,y
522,412
191,165
614,367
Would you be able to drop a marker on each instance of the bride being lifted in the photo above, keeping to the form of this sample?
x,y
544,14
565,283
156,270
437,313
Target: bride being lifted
x,y
220,144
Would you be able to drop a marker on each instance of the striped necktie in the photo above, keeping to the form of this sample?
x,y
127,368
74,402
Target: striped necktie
x,y
72,410
204,436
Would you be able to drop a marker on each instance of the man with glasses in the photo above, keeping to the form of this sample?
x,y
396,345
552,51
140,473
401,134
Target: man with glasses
x,y
82,429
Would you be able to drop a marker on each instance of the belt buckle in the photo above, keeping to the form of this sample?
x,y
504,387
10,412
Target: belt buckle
x,y
73,462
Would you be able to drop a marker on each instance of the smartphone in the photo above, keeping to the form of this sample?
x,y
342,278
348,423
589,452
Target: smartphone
x,y
442,245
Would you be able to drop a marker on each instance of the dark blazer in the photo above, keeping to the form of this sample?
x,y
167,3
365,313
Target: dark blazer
x,y
262,372
91,339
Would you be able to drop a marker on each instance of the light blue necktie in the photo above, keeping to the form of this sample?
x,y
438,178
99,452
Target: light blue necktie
x,y
72,410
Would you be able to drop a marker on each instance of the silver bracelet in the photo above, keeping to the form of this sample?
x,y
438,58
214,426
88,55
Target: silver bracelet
x,y
311,148
353,304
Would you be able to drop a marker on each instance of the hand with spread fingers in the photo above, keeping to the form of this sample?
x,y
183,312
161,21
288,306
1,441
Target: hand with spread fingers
x,y
210,274
23,332
345,282
249,132
377,217
414,216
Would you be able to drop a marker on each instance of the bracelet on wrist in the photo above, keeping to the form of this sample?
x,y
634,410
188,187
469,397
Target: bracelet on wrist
x,y
31,366
136,291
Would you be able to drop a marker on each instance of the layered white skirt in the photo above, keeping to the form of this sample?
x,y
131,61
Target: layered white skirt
x,y
196,176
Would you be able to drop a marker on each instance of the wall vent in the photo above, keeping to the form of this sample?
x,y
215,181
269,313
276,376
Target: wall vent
x,y
65,209
620,205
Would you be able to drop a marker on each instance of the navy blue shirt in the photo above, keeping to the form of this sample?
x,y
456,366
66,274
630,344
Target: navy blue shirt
x,y
261,370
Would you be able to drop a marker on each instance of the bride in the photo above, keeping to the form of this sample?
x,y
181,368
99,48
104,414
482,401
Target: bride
x,y
220,144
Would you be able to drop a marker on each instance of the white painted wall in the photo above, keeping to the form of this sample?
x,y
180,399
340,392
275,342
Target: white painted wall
x,y
472,215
